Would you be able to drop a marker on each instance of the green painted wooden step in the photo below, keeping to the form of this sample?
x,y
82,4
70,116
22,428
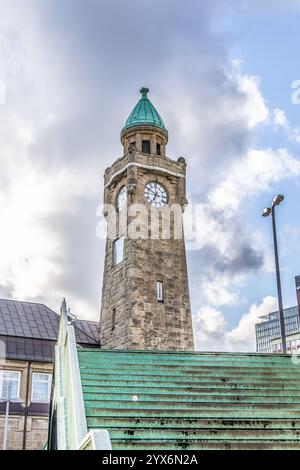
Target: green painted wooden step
x,y
181,355
202,376
190,365
218,413
192,399
217,434
204,445
192,392
192,423
269,387
157,380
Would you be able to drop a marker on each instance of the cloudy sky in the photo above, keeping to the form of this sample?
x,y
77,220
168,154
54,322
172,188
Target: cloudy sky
x,y
221,74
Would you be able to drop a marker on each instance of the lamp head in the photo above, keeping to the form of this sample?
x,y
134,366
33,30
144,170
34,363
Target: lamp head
x,y
266,212
277,200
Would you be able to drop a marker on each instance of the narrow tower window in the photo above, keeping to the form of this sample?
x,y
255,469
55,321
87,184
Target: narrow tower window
x,y
113,319
122,198
145,146
118,250
158,151
159,291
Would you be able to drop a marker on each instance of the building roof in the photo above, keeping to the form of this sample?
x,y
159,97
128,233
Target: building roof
x,y
29,330
287,312
144,113
28,320
28,349
178,400
87,332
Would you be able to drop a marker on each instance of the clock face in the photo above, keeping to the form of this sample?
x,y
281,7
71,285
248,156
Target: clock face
x,y
122,197
156,194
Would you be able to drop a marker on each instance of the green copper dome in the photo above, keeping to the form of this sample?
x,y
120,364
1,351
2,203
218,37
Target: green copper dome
x,y
144,113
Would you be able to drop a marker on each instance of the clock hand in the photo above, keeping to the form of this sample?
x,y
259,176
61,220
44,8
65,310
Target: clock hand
x,y
151,190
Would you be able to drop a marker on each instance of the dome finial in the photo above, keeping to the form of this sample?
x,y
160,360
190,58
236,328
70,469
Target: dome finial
x,y
144,91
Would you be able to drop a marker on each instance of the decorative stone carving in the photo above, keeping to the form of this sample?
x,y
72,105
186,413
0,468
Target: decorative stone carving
x,y
183,202
181,160
131,148
131,188
131,180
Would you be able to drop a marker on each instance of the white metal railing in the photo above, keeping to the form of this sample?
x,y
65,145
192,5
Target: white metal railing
x,y
72,432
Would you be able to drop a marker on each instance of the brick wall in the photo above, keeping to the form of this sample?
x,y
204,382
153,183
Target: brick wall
x,y
37,432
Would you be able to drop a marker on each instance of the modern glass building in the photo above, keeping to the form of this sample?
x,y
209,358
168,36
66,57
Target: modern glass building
x,y
269,328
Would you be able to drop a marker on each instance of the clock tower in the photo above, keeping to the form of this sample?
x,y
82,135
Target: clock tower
x,y
145,294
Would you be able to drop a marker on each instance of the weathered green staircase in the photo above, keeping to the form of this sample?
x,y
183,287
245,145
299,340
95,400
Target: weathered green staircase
x,y
165,400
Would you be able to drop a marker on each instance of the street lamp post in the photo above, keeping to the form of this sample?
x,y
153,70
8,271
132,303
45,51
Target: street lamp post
x,y
8,401
266,212
6,425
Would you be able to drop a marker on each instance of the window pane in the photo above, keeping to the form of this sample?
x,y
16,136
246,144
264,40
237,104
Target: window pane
x,y
41,387
118,250
10,384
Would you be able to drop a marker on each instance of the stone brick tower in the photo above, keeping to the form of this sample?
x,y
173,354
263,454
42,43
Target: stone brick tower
x,y
145,295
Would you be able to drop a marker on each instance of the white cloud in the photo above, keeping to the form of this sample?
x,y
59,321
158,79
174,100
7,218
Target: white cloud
x,y
230,251
295,134
31,253
211,333
291,231
252,175
242,338
217,290
254,109
209,326
279,118
272,4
